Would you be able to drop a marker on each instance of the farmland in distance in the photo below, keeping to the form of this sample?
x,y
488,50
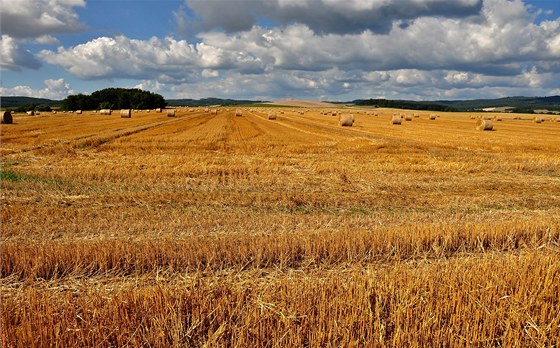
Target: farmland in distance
x,y
224,230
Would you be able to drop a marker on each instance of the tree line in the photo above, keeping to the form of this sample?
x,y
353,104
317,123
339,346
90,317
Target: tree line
x,y
114,98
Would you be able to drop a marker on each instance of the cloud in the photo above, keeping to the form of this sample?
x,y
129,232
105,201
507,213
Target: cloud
x,y
14,58
35,18
496,48
55,89
323,16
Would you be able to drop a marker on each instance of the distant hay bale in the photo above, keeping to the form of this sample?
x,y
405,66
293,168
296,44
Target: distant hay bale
x,y
170,112
158,110
396,119
416,116
54,112
94,111
214,111
433,116
484,125
346,120
79,112
408,118
375,114
105,111
206,110
473,117
498,118
272,116
538,119
30,113
238,112
6,118
126,113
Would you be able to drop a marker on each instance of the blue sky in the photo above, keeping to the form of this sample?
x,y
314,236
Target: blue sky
x,y
282,49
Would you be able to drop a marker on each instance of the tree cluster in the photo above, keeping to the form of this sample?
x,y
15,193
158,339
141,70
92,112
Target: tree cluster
x,y
403,104
114,98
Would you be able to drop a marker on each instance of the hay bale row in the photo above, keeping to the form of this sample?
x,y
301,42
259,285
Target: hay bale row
x,y
346,120
484,125
126,113
6,118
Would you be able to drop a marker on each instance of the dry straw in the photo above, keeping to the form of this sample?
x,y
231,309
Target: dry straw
x,y
484,125
105,111
238,112
170,112
126,113
433,117
31,113
408,118
538,119
6,118
346,120
396,119
79,112
158,110
272,116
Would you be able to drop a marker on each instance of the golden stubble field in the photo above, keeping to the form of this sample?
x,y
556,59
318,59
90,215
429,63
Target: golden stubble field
x,y
218,230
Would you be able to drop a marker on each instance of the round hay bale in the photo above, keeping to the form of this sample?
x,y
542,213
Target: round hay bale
x,y
30,113
484,125
498,118
408,118
214,112
272,116
346,120
396,120
79,112
416,116
238,112
433,116
105,111
6,118
158,109
171,112
126,113
538,119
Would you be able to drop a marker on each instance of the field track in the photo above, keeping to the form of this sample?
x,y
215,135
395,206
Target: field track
x,y
224,230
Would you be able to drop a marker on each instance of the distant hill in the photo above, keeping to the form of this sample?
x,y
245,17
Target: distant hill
x,y
527,103
521,104
12,102
516,104
208,101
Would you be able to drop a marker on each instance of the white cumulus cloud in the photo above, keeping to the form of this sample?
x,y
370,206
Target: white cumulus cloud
x,y
56,89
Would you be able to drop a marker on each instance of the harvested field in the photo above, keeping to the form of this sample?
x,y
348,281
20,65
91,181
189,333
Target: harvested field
x,y
211,229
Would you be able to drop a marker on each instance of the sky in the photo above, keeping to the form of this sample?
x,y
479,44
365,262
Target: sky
x,y
336,50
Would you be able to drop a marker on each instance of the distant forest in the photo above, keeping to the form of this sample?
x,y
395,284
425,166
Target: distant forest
x,y
404,104
114,98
